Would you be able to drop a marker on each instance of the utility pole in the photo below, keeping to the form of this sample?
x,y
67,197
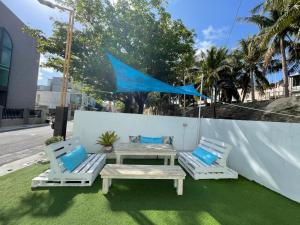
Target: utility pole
x,y
61,113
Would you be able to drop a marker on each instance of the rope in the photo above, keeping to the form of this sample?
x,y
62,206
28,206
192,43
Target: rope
x,y
234,21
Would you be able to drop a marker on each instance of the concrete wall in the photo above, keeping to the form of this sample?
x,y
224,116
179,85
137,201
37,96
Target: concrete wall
x,y
89,125
24,64
266,152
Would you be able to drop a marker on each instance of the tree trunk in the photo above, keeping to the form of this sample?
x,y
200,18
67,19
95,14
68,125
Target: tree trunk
x,y
252,86
284,67
140,99
244,96
129,104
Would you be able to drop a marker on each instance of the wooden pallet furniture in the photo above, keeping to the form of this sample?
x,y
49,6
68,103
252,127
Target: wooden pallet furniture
x,y
121,171
57,175
199,170
136,149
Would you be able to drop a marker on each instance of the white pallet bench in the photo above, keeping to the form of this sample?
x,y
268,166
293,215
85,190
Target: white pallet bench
x,y
57,175
120,171
199,170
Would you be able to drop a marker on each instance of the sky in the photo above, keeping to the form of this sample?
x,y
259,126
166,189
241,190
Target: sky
x,y
213,21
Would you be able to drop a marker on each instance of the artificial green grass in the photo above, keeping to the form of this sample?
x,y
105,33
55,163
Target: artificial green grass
x,y
204,202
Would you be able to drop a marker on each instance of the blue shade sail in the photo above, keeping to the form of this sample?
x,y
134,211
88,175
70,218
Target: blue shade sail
x,y
129,79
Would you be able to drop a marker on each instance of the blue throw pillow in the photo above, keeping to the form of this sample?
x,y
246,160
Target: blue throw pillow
x,y
151,140
74,158
205,156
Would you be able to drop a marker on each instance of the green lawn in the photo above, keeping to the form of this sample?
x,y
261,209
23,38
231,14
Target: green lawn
x,y
148,202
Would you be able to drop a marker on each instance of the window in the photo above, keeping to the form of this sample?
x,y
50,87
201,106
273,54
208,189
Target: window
x,y
296,81
5,63
5,57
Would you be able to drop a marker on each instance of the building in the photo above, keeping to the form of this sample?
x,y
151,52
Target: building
x,y
19,63
49,95
277,90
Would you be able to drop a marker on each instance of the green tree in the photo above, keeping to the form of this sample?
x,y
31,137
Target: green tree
x,y
139,32
216,69
279,22
248,67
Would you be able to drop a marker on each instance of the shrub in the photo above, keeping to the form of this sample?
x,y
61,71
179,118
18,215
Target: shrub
x,y
54,139
108,138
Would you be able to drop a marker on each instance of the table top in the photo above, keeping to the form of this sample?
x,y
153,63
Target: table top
x,y
144,149
142,171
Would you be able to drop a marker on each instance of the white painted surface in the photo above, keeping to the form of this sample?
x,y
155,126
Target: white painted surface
x,y
266,152
89,125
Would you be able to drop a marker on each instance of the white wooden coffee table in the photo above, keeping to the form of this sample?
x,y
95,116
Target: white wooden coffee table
x,y
136,149
119,171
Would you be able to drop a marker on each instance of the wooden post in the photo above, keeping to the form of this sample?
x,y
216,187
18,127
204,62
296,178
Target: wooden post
x,y
105,185
172,159
180,187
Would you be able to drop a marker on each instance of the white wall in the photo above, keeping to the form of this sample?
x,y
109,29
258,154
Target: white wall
x,y
89,125
266,152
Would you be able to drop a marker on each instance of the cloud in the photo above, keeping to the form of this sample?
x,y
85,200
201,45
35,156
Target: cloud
x,y
211,33
40,77
45,72
202,46
210,36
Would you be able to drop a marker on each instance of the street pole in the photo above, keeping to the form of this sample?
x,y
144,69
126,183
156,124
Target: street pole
x,y
184,94
61,113
199,114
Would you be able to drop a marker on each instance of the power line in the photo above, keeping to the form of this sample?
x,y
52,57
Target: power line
x,y
234,21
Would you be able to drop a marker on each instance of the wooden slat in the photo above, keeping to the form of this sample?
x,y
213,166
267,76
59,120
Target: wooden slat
x,y
59,152
198,165
144,149
83,164
142,172
90,163
96,164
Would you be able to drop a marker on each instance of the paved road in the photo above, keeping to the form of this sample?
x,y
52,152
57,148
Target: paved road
x,y
19,144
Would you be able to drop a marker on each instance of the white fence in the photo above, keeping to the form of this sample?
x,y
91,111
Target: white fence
x,y
89,125
266,152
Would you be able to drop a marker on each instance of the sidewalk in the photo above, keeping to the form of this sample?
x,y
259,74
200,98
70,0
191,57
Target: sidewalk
x,y
22,127
22,163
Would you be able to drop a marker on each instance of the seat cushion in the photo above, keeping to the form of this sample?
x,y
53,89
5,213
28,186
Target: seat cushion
x,y
74,158
151,140
205,156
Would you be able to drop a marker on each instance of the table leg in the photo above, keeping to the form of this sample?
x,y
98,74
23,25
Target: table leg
x,y
118,159
110,182
172,160
175,183
105,185
180,187
166,160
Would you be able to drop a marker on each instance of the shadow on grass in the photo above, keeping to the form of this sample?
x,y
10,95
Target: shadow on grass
x,y
44,202
231,202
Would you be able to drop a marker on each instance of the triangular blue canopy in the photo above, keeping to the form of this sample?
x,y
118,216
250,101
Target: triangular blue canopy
x,y
129,79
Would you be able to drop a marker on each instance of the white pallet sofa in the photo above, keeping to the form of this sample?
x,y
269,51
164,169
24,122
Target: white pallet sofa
x,y
199,170
57,175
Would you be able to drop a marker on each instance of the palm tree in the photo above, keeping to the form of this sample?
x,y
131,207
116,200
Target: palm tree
x,y
278,21
247,66
214,63
290,15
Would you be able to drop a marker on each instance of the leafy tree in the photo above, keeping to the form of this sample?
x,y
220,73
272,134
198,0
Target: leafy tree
x,y
248,60
217,73
279,22
139,32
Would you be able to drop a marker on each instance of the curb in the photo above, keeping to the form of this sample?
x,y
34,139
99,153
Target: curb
x,y
8,129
